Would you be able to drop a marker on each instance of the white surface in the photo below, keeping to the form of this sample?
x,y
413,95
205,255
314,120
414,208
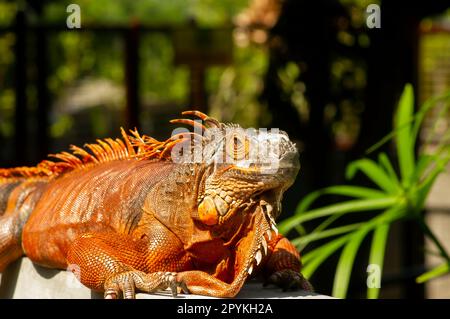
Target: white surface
x,y
25,280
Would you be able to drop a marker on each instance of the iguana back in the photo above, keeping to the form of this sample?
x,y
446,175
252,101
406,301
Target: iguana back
x,y
106,197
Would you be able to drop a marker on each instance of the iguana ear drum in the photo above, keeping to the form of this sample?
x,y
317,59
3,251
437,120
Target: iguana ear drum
x,y
207,212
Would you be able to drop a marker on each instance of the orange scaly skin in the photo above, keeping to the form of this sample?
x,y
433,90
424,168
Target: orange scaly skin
x,y
125,217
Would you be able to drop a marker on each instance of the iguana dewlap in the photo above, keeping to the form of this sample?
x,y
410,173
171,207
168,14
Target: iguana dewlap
x,y
194,213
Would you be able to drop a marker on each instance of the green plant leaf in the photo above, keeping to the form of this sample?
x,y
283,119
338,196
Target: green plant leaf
x,y
430,234
356,191
342,190
386,163
300,230
425,108
435,272
314,259
381,142
352,206
404,141
307,201
416,120
301,241
327,222
345,264
376,257
434,133
423,164
374,173
425,186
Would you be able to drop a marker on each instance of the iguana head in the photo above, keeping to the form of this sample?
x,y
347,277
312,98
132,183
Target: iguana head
x,y
244,175
244,168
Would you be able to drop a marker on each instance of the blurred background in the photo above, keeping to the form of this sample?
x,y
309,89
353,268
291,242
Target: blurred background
x,y
311,68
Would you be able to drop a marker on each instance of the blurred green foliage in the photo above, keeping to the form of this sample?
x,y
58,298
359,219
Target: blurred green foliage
x,y
7,99
8,12
235,89
207,13
75,56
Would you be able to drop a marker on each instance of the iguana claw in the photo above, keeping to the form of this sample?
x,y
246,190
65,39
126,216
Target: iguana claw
x,y
127,282
174,285
289,279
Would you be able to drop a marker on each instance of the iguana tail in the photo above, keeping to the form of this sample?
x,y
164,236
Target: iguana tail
x,y
18,197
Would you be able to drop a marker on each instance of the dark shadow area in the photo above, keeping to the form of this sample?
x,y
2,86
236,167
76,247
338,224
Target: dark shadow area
x,y
9,279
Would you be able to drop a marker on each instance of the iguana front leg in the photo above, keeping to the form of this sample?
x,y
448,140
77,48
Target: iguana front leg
x,y
283,265
247,249
114,263
118,264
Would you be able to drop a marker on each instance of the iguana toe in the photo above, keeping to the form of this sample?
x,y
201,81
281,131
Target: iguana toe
x,y
289,279
174,284
121,283
126,283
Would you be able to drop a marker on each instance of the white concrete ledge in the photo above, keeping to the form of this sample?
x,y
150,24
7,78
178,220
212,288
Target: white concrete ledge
x,y
25,280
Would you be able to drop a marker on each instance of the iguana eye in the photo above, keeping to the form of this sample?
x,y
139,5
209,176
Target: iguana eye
x,y
237,144
237,147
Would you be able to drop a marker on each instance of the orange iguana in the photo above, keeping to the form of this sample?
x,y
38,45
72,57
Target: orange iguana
x,y
195,213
